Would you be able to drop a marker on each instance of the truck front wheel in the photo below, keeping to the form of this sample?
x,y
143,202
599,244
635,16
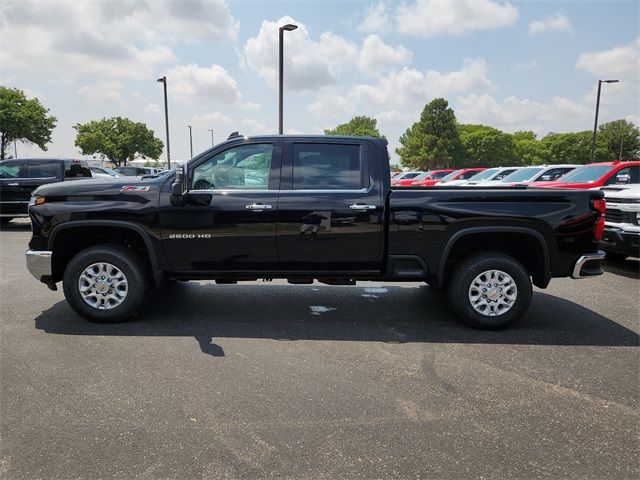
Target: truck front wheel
x,y
106,283
490,291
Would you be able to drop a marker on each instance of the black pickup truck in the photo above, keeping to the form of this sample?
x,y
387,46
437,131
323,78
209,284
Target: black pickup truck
x,y
304,208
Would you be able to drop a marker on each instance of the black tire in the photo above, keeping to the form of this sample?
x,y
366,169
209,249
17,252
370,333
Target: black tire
x,y
615,257
5,220
128,262
460,283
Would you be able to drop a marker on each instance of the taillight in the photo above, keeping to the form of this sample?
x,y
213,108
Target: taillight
x,y
601,206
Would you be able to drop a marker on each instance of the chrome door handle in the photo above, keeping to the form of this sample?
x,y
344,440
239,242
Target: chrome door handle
x,y
258,207
360,206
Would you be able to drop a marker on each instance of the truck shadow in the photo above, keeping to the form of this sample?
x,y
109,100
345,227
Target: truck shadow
x,y
629,268
210,313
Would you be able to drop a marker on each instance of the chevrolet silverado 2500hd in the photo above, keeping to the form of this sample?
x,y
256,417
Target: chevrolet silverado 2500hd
x,y
307,208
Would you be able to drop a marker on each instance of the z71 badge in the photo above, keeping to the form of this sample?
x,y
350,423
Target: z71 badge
x,y
134,188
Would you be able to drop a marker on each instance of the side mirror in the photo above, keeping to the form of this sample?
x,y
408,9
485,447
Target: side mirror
x,y
179,186
623,178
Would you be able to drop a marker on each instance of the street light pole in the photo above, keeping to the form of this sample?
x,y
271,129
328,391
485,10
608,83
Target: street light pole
x,y
288,27
210,130
190,141
163,80
595,123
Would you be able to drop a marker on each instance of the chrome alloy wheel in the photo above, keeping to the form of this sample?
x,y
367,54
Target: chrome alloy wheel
x,y
493,293
103,286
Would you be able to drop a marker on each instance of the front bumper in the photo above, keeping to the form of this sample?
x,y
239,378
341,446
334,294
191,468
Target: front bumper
x,y
588,265
618,241
39,264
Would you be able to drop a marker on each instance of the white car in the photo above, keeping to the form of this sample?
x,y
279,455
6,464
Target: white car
x,y
621,237
542,173
497,173
104,172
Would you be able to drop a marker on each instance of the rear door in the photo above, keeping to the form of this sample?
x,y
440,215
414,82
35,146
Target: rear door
x,y
330,210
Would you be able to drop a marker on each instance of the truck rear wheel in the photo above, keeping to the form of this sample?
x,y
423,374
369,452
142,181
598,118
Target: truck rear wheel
x,y
490,291
106,283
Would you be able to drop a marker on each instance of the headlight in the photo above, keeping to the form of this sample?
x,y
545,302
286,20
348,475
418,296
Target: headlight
x,y
36,200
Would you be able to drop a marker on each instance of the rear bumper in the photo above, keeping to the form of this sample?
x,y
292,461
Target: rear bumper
x,y
588,265
39,264
618,241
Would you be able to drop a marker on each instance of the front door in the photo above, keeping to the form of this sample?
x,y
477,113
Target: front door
x,y
228,222
331,208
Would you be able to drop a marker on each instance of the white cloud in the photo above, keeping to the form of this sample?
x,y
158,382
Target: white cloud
x,y
409,87
152,109
527,65
107,38
619,60
213,119
103,93
429,18
192,83
557,22
377,57
308,64
376,19
252,126
512,113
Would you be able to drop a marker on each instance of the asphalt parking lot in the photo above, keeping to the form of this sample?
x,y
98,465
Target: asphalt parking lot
x,y
269,380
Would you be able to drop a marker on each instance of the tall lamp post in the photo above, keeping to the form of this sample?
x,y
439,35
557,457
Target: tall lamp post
x,y
190,141
211,130
163,80
288,27
595,123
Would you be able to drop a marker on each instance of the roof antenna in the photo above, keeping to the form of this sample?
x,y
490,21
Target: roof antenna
x,y
234,135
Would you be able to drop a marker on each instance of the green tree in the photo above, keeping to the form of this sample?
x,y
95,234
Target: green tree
x,y
614,135
357,126
23,119
118,139
531,152
433,141
571,147
487,146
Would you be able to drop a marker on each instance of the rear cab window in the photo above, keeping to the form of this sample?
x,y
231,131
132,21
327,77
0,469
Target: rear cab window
x,y
76,170
327,166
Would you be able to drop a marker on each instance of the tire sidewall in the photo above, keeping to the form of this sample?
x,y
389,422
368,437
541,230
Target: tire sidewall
x,y
469,270
127,262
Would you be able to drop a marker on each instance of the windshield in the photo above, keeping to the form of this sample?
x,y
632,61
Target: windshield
x,y
586,174
485,174
409,175
438,175
451,176
523,175
422,176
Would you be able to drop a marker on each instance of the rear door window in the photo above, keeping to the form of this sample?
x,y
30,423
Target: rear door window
x,y
321,166
42,169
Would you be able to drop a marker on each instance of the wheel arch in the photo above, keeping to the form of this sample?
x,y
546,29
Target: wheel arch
x,y
498,238
115,232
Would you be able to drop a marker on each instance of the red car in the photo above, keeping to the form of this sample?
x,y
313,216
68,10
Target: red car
x,y
433,175
596,175
462,174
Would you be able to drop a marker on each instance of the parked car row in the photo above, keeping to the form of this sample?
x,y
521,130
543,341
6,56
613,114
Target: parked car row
x,y
593,175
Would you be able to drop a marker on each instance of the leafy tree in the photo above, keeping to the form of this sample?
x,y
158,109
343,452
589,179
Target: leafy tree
x,y
523,135
23,119
487,146
531,152
614,135
570,147
357,126
433,141
118,139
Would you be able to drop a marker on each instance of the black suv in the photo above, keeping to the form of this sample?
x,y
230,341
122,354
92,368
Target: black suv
x,y
20,177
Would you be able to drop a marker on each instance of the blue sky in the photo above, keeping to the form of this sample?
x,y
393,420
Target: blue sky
x,y
513,65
